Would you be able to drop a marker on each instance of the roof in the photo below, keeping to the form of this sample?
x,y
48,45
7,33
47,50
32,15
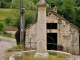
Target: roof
x,y
62,18
29,25
56,14
10,28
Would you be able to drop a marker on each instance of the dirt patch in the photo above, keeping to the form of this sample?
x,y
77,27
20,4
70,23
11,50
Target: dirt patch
x,y
8,54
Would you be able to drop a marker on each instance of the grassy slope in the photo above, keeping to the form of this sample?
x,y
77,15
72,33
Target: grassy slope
x,y
4,13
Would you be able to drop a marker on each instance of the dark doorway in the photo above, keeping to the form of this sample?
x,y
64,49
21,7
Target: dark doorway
x,y
51,41
79,44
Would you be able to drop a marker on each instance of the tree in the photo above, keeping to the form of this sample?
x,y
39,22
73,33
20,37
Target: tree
x,y
68,10
29,11
77,16
8,1
78,2
5,3
57,2
28,16
35,1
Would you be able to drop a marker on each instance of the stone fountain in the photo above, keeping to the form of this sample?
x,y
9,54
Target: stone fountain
x,y
42,53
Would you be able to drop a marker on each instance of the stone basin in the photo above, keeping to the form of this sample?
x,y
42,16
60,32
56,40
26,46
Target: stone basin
x,y
53,55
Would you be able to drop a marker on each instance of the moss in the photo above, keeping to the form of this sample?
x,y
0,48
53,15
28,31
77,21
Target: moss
x,y
29,56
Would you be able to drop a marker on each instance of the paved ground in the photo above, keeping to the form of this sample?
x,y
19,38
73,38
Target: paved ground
x,y
77,57
6,43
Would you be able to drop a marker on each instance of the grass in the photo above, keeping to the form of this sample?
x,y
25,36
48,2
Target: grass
x,y
5,13
20,46
8,35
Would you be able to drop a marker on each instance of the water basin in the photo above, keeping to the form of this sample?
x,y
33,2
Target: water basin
x,y
53,55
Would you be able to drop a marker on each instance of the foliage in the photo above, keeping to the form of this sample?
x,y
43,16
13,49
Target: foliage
x,y
29,11
8,20
68,10
77,9
65,8
17,47
5,3
35,1
8,0
1,26
78,2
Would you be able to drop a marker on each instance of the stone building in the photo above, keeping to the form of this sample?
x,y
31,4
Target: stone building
x,y
59,32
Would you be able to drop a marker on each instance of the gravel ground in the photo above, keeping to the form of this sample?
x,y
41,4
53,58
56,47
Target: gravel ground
x,y
5,44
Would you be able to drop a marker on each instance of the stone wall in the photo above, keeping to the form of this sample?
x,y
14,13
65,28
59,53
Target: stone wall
x,y
31,34
68,34
11,32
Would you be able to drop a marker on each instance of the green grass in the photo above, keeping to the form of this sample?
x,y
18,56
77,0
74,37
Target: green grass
x,y
20,46
4,13
7,35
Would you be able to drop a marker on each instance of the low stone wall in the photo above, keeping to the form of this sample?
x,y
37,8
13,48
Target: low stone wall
x,y
71,57
11,32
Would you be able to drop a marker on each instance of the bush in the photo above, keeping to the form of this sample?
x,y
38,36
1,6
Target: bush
x,y
5,5
8,20
1,26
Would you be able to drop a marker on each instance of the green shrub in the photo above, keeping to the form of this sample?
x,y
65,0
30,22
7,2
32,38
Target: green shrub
x,y
20,46
1,26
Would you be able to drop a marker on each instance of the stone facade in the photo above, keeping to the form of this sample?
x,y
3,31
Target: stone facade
x,y
67,33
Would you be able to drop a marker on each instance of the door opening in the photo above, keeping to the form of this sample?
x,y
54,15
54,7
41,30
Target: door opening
x,y
51,41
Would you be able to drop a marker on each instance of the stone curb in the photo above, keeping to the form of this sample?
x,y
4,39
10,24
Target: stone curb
x,y
71,57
